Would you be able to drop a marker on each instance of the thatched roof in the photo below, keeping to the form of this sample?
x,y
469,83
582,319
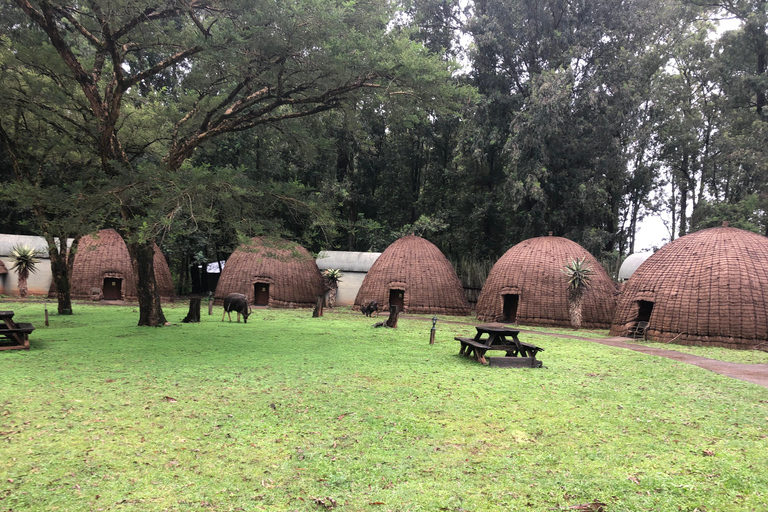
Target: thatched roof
x,y
288,268
105,255
417,267
532,270
709,287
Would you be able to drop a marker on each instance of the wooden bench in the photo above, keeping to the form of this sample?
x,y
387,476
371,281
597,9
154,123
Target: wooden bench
x,y
522,356
16,334
496,336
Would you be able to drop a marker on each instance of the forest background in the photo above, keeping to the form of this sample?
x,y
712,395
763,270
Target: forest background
x,y
346,125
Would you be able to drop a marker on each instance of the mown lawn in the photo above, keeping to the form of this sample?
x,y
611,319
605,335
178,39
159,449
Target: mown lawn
x,y
289,412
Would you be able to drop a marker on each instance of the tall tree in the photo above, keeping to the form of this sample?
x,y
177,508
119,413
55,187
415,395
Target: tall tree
x,y
563,85
154,82
45,154
688,100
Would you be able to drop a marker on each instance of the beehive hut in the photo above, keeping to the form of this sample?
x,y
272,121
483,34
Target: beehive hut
x,y
527,286
706,288
271,272
102,270
414,275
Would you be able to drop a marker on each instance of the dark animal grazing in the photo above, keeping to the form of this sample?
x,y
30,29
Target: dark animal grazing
x,y
236,302
371,308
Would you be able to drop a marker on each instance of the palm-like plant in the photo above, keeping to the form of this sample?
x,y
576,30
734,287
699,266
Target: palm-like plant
x,y
24,263
578,273
332,277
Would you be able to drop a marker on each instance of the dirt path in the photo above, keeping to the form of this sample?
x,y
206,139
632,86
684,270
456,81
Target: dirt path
x,y
754,373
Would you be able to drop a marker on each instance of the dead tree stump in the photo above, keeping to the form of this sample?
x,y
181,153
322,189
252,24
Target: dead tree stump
x,y
318,307
392,320
193,316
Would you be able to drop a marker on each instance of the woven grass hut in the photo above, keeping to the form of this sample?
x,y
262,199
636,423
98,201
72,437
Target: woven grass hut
x,y
102,270
414,275
706,288
271,272
527,286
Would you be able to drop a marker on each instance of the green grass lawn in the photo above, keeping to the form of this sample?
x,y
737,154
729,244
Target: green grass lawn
x,y
290,412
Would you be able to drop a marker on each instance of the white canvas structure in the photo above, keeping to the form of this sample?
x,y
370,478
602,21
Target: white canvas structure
x,y
631,264
353,265
38,283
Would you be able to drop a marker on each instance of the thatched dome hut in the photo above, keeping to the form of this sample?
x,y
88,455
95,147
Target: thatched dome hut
x,y
705,288
271,272
527,286
102,270
414,275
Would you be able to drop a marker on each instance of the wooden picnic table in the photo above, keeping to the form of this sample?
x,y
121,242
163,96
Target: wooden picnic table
x,y
499,337
15,334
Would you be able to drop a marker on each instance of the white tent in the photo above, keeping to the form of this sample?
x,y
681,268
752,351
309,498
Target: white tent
x,y
631,264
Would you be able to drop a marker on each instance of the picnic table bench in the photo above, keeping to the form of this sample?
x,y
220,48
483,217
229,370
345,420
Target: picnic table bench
x,y
499,337
15,334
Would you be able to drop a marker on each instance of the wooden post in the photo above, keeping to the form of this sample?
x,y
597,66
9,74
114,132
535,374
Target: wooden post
x,y
210,305
318,307
432,333
193,316
46,313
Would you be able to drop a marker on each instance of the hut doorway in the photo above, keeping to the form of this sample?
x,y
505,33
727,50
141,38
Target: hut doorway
x,y
511,301
112,288
644,310
397,298
261,294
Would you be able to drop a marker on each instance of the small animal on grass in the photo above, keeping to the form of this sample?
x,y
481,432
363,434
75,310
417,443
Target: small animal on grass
x,y
371,308
239,303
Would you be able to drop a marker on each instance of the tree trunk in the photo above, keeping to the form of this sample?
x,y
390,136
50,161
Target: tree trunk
x,y
62,261
318,307
61,279
574,311
150,307
23,286
193,315
683,185
392,320
332,292
575,299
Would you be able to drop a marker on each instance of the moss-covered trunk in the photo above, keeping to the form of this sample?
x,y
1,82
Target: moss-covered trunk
x,y
150,307
62,261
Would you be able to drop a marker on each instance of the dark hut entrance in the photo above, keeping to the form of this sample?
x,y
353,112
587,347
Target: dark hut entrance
x,y
645,308
261,294
511,301
112,288
397,298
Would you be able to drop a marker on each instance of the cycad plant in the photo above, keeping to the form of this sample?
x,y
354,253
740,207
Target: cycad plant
x,y
578,273
332,277
24,263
